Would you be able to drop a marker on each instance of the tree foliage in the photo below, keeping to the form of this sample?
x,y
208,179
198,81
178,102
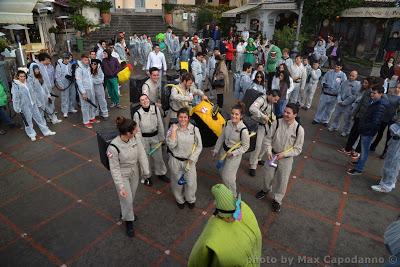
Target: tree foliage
x,y
315,11
286,37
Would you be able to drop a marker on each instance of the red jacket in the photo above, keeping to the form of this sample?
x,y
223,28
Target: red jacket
x,y
229,51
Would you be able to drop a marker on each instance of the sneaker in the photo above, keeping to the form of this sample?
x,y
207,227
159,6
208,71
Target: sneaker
x,y
343,151
65,115
164,178
33,139
331,129
74,111
314,122
148,182
261,194
344,134
94,121
88,125
354,172
112,105
276,207
180,206
119,106
129,229
379,188
55,121
252,172
50,133
325,124
191,205
355,155
261,162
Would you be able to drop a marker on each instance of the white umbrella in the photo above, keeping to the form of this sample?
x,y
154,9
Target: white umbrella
x,y
15,27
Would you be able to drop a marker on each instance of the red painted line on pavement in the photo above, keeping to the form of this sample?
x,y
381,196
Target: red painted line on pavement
x,y
362,233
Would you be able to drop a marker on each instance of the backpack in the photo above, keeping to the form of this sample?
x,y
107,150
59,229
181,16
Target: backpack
x,y
104,139
135,109
297,128
250,96
135,89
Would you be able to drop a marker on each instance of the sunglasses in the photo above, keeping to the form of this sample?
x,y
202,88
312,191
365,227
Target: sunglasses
x,y
93,63
259,76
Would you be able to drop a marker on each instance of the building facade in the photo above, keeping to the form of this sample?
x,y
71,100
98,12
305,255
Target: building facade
x,y
263,16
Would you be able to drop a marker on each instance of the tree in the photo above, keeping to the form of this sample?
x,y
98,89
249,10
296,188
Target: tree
x,y
316,11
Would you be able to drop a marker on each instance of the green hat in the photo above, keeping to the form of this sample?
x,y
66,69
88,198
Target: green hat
x,y
224,200
250,40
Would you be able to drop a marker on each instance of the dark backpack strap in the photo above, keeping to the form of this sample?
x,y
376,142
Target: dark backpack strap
x,y
297,129
140,116
115,147
241,130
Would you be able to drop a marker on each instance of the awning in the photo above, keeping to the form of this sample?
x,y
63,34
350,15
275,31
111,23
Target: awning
x,y
233,12
16,11
372,12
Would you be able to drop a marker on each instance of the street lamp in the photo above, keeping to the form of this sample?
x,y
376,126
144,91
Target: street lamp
x,y
64,19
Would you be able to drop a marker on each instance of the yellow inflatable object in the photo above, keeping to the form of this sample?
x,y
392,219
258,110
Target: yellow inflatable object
x,y
124,75
184,65
204,110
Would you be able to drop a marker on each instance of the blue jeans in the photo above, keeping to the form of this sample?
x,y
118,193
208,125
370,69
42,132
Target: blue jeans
x,y
5,118
280,107
365,145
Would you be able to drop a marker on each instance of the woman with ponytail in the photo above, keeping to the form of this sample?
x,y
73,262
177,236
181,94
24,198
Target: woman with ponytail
x,y
235,134
126,154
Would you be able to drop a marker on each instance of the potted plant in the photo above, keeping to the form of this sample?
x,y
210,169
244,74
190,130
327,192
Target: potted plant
x,y
105,7
168,8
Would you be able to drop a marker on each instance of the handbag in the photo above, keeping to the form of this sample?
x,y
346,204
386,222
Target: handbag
x,y
218,83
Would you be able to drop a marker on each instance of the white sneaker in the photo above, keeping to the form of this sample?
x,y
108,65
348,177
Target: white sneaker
x,y
33,139
74,111
56,121
65,115
50,133
344,134
379,188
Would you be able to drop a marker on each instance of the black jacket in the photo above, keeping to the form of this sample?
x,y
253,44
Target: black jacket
x,y
370,123
393,44
387,72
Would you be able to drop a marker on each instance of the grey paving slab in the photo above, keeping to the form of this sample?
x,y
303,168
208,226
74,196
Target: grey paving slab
x,y
71,232
168,221
171,262
6,234
185,247
15,183
117,250
87,148
315,198
33,150
35,206
361,186
106,200
348,245
329,154
368,217
84,179
6,165
22,254
55,164
324,173
272,256
70,135
18,138
302,233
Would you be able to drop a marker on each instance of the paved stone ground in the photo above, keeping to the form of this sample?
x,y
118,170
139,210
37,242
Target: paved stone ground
x,y
58,205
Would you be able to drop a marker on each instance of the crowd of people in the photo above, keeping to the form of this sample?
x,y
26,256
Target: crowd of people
x,y
285,84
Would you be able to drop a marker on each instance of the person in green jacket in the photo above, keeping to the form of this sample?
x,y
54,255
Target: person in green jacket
x,y
273,58
250,51
231,236
4,118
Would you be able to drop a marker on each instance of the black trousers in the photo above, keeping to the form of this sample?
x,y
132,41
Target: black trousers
x,y
229,64
353,136
379,136
220,100
270,78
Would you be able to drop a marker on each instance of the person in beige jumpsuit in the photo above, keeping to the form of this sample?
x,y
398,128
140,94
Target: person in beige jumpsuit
x,y
185,145
182,95
151,130
235,131
124,166
280,139
262,111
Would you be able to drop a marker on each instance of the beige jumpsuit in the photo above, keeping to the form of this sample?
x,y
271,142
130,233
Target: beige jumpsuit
x,y
229,137
279,140
180,151
124,167
152,132
261,111
151,90
182,99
